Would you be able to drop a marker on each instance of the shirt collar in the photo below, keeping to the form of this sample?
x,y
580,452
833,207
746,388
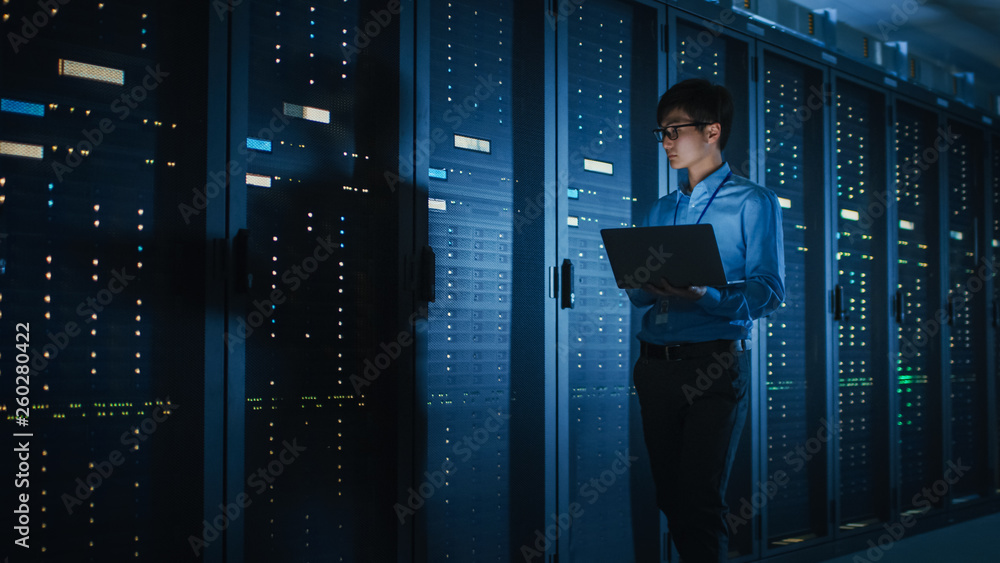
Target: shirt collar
x,y
707,186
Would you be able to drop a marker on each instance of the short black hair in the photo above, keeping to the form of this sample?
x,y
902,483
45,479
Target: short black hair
x,y
703,101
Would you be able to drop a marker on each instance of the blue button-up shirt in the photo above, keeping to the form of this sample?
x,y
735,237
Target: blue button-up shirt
x,y
747,223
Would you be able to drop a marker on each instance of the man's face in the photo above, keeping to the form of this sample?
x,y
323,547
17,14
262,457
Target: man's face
x,y
691,145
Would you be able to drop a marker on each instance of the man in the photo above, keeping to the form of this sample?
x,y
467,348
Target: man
x,y
693,375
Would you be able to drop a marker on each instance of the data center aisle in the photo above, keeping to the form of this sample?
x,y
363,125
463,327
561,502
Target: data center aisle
x,y
975,541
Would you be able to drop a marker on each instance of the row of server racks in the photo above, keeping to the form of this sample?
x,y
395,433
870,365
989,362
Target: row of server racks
x,y
304,280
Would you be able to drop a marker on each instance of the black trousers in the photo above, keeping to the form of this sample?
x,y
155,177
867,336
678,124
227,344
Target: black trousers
x,y
693,411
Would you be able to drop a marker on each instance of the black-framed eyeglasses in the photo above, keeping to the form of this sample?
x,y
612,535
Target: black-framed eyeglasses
x,y
670,131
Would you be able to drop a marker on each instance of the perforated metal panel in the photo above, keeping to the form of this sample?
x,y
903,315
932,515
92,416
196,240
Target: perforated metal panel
x,y
862,205
792,124
964,193
485,327
917,372
319,321
611,102
102,278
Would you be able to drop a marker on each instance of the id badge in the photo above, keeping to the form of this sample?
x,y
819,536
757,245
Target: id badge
x,y
664,308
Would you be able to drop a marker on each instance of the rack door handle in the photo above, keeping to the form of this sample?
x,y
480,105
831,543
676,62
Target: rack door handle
x,y
838,303
900,305
566,295
428,274
241,261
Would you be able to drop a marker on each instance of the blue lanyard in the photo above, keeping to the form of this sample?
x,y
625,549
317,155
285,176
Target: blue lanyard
x,y
710,200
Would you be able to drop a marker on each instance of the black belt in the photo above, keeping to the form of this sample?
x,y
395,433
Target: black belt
x,y
693,350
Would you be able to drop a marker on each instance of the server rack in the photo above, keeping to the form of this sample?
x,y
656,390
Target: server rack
x,y
799,422
919,414
102,277
936,382
607,169
316,299
865,390
965,307
484,377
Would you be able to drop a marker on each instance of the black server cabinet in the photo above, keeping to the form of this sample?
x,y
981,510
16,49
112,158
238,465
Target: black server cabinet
x,y
798,423
965,311
481,387
101,274
862,305
317,357
611,75
918,273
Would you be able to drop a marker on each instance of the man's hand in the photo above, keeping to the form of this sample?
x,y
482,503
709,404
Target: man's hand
x,y
664,289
